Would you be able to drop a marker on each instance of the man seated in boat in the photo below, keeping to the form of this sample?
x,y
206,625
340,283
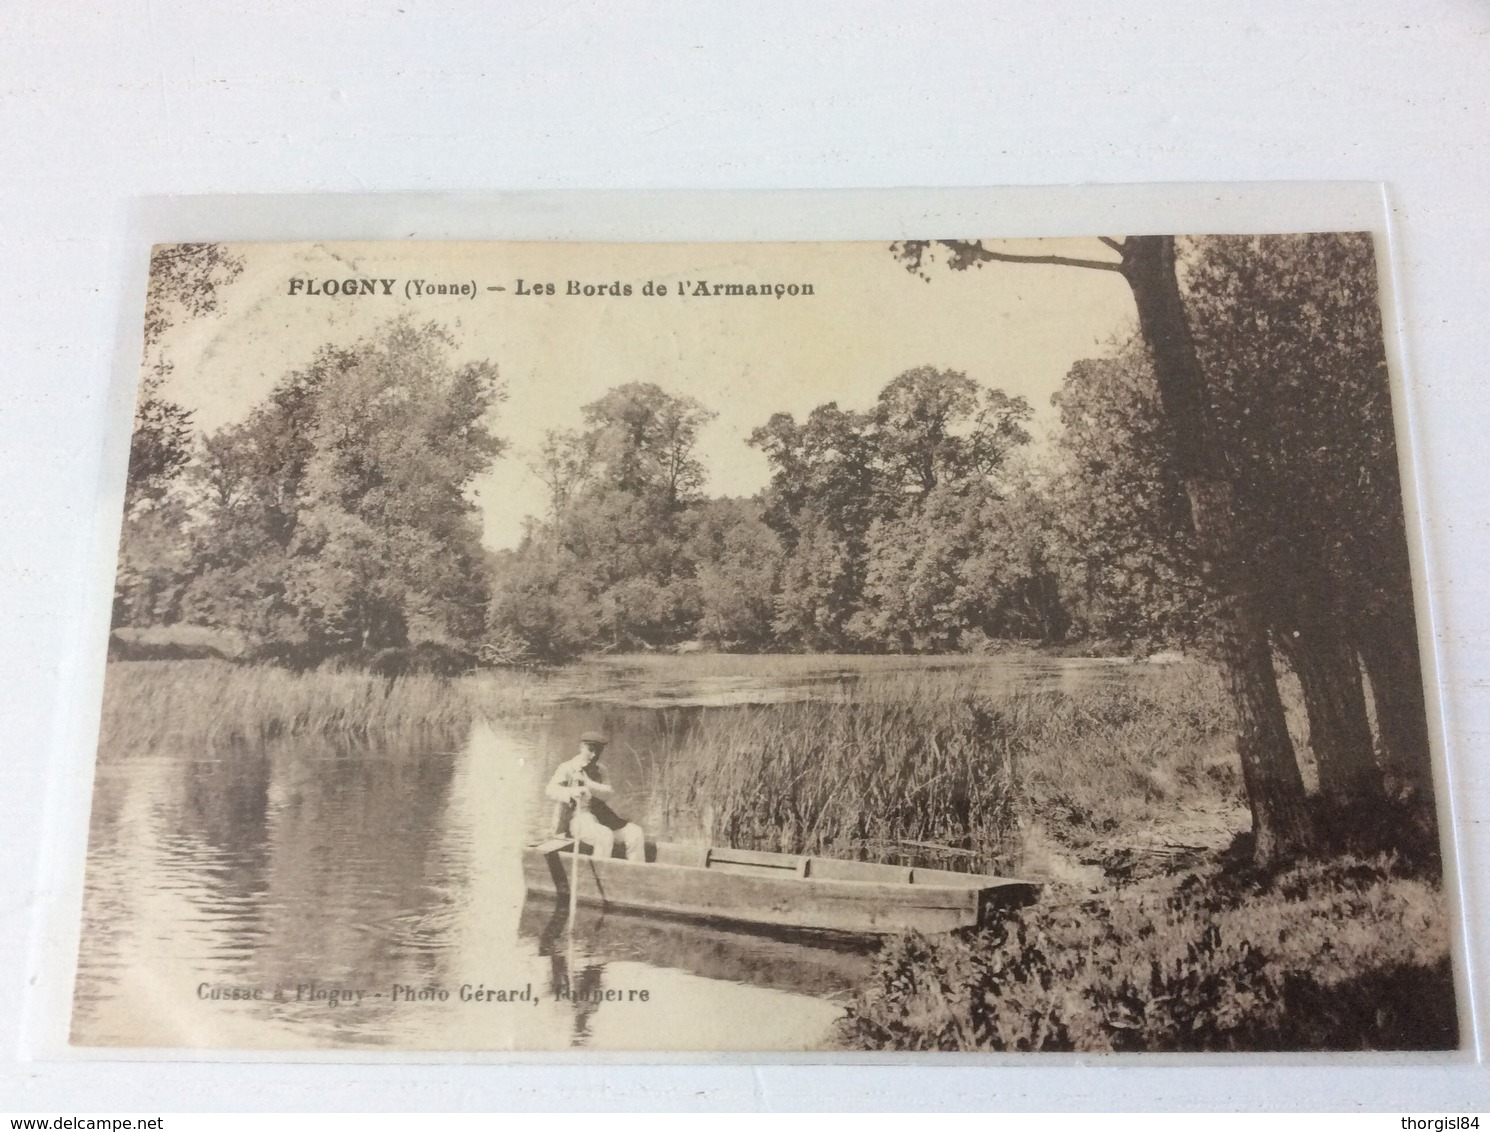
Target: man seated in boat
x,y
579,786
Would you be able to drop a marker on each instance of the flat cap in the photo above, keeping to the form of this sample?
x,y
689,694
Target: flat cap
x,y
596,737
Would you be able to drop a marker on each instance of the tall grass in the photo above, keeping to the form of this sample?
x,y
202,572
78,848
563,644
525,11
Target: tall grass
x,y
821,777
1108,759
148,704
922,759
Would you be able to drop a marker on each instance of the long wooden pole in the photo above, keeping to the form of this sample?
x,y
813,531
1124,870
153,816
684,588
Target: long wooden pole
x,y
574,866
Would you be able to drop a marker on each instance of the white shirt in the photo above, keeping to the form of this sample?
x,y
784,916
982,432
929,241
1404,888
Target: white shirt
x,y
574,782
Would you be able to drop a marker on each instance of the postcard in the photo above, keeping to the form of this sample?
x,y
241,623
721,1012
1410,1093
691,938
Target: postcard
x,y
952,644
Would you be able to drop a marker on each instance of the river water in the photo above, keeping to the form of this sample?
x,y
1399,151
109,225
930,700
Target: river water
x,y
321,895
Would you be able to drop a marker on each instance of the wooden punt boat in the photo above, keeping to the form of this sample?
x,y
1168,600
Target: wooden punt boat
x,y
781,891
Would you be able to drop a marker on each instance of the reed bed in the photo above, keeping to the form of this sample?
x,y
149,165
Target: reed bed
x,y
819,777
151,703
937,760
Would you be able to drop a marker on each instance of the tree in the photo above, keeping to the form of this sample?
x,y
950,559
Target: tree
x,y
1014,573
539,608
824,494
624,494
1121,519
827,466
152,567
642,440
865,567
184,283
737,559
247,483
938,438
1281,824
340,506
914,597
820,585
940,426
160,445
1289,330
563,463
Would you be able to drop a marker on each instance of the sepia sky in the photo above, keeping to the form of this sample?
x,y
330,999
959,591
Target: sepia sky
x,y
1018,327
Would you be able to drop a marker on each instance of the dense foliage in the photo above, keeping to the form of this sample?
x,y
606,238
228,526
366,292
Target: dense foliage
x,y
335,518
1347,955
632,553
884,529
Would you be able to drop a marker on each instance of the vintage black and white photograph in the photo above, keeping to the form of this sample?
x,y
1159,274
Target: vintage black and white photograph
x,y
939,645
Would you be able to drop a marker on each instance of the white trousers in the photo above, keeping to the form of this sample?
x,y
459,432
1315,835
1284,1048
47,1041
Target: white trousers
x,y
603,840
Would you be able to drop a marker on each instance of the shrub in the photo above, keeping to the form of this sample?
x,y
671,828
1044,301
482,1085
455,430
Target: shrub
x,y
1345,955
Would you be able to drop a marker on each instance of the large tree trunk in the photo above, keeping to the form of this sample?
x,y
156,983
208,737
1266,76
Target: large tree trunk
x,y
1281,824
1388,645
1339,729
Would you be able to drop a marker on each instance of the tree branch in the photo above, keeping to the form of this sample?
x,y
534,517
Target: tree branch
x,y
973,251
1115,245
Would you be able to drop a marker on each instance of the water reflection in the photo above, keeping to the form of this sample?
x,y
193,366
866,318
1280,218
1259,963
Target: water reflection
x,y
575,976
302,894
798,964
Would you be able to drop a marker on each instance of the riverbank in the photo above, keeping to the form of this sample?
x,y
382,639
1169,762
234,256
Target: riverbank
x,y
1351,954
